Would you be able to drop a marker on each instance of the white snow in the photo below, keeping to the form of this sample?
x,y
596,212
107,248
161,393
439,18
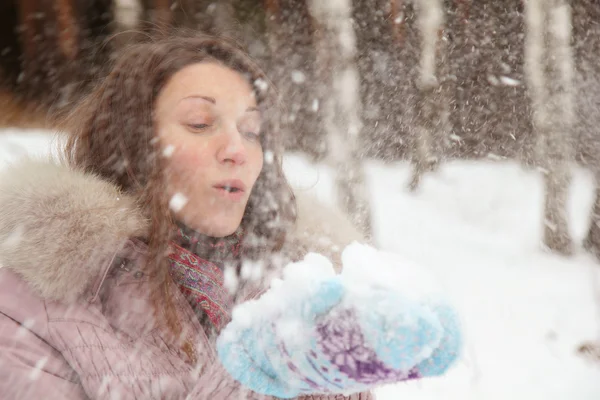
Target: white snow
x,y
252,270
15,144
477,227
315,105
269,157
386,270
37,370
261,84
508,81
177,202
25,327
230,279
168,151
298,77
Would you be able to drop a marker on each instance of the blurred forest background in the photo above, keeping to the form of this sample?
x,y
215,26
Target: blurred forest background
x,y
418,80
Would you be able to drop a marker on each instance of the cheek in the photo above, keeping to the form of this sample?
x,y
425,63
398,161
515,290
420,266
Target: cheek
x,y
190,155
187,168
257,163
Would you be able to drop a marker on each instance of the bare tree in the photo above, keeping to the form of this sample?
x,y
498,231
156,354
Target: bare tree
x,y
292,67
273,23
430,115
549,75
586,47
335,44
50,56
67,28
224,21
210,16
157,13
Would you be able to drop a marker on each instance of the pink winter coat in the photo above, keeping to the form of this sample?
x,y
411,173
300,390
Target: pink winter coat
x,y
76,318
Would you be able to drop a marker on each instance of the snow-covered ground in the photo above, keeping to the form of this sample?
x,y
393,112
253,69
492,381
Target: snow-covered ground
x,y
477,226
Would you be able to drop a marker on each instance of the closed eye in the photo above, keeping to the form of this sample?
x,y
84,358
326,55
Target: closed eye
x,y
251,135
198,126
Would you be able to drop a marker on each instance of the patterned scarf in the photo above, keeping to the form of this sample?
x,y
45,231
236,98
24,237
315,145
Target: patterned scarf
x,y
196,267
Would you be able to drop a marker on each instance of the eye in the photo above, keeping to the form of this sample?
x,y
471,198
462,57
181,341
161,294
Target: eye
x,y
198,127
252,135
250,129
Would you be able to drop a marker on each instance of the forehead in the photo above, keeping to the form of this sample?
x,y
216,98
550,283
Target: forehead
x,y
209,79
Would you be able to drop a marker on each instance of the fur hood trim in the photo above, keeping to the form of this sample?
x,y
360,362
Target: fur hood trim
x,y
60,228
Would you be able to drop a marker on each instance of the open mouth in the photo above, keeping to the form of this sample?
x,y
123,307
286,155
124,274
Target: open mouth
x,y
230,189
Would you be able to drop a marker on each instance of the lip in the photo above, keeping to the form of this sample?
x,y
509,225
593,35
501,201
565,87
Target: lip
x,y
232,183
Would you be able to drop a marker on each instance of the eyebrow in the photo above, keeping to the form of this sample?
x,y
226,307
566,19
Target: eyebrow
x,y
209,99
213,101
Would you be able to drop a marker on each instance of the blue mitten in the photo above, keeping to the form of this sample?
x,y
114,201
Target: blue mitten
x,y
318,333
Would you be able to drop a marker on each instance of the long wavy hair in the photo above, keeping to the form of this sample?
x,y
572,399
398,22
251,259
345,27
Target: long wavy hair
x,y
112,134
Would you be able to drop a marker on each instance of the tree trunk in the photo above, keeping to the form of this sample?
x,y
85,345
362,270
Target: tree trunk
x,y
156,15
586,47
549,70
593,236
273,24
52,59
224,22
340,94
67,28
292,68
431,119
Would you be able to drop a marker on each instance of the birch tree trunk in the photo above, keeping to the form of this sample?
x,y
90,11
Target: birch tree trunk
x,y
549,75
430,116
340,93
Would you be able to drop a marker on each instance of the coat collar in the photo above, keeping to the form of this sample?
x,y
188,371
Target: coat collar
x,y
60,229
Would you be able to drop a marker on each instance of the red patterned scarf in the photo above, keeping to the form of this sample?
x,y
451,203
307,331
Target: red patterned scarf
x,y
197,265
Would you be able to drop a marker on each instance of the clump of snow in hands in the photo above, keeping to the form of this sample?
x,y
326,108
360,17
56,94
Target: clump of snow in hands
x,y
367,269
297,282
366,273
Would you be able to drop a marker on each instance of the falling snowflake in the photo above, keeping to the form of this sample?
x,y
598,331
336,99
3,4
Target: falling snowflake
x,y
261,85
508,81
177,202
298,77
168,151
34,374
269,157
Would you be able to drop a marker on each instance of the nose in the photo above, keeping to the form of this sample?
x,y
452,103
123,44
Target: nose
x,y
232,149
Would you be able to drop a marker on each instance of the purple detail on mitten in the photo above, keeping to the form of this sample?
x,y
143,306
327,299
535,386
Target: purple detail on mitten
x,y
341,340
314,387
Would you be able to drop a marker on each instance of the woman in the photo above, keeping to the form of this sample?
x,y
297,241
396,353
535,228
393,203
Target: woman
x,y
119,263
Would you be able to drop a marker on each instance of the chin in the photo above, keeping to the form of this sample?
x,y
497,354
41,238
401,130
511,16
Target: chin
x,y
218,224
221,227
220,233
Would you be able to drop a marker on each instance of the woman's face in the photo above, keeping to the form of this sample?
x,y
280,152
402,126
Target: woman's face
x,y
208,125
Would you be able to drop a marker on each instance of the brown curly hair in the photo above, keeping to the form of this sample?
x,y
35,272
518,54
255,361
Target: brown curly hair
x,y
112,135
